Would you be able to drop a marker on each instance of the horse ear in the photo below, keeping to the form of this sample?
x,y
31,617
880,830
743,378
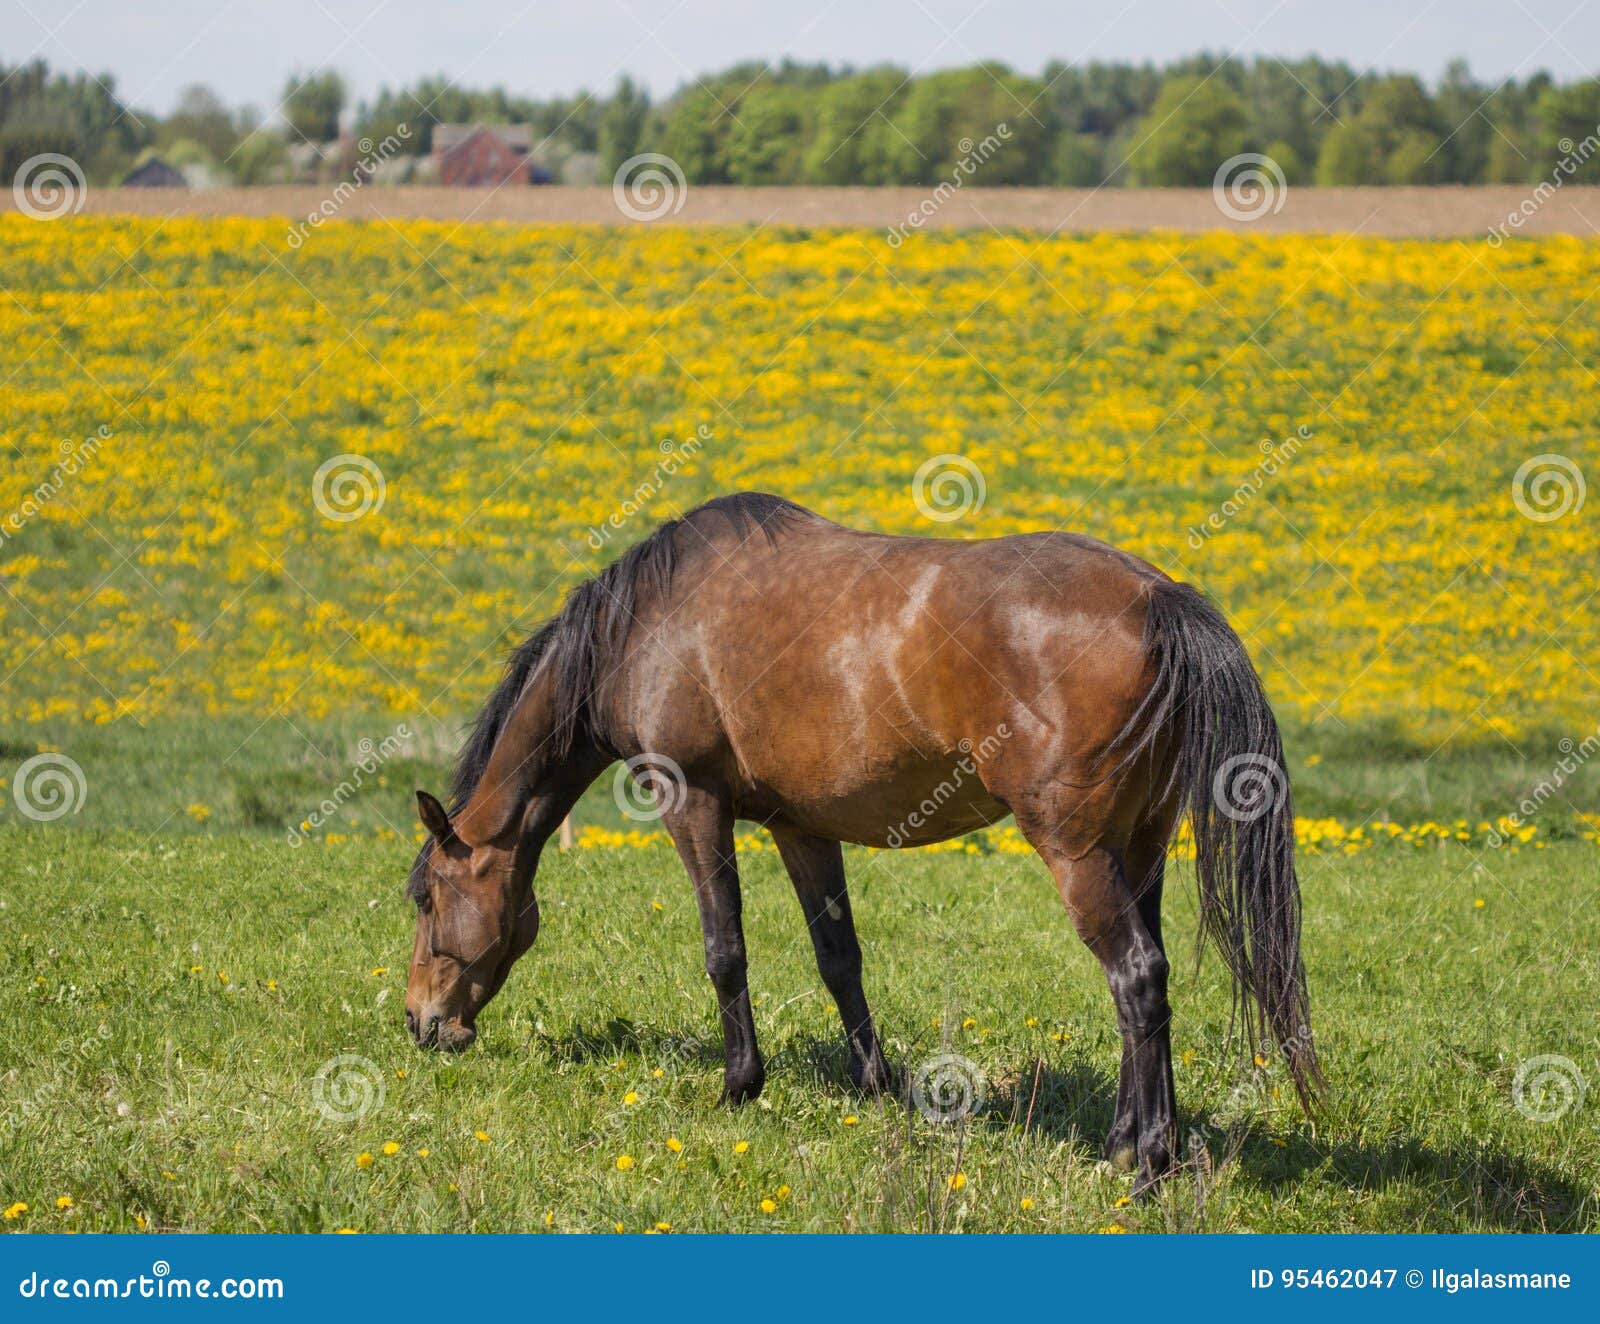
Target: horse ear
x,y
434,818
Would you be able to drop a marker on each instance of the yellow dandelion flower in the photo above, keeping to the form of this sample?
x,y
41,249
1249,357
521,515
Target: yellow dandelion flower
x,y
391,1148
674,1144
957,1181
1122,1202
624,1162
363,1159
549,1217
663,1227
742,1147
969,1024
1026,1204
769,1206
378,971
783,1192
630,1098
16,1211
63,1202
424,1152
851,1120
482,1137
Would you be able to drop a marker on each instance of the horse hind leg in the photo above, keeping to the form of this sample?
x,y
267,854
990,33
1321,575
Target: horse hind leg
x,y
1095,890
1146,871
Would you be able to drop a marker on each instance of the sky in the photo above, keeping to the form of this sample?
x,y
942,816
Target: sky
x,y
246,49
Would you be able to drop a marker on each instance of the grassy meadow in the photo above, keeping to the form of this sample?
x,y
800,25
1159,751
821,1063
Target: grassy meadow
x,y
167,1006
272,512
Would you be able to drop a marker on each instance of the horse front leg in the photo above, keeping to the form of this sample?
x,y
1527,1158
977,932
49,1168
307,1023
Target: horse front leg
x,y
702,829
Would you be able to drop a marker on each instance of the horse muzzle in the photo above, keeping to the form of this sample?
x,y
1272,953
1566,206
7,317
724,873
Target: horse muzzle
x,y
431,1030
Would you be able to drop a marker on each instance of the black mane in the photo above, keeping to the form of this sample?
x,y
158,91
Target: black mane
x,y
593,622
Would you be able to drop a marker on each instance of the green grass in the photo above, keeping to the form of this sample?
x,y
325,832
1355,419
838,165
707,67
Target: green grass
x,y
140,1086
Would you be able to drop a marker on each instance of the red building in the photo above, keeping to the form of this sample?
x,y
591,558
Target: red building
x,y
479,155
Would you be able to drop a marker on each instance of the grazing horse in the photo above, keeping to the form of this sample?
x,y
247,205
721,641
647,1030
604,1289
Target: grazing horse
x,y
753,660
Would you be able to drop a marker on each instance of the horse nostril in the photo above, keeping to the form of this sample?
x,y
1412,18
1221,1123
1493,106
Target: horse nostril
x,y
411,1022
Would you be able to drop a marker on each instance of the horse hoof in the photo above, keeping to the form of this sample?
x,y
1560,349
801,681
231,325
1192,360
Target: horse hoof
x,y
872,1078
735,1093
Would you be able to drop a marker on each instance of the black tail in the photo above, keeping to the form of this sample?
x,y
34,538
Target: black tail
x,y
1229,771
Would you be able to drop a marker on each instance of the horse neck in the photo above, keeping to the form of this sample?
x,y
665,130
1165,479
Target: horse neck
x,y
527,788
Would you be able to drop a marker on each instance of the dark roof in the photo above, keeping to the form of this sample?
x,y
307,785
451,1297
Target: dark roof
x,y
154,173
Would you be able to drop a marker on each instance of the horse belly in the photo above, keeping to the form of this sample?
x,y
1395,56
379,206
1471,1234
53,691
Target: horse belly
x,y
921,802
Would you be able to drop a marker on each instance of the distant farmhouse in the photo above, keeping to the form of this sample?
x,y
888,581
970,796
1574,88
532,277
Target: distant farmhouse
x,y
485,155
154,173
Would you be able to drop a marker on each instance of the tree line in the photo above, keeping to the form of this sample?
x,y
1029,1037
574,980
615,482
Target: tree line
x,y
1322,122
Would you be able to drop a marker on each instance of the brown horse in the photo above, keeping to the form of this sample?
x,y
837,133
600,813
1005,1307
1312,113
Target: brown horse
x,y
755,661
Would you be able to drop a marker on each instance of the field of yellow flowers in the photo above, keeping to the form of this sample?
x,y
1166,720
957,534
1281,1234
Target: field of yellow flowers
x,y
1329,434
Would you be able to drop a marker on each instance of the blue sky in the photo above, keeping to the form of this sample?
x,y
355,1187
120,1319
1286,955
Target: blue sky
x,y
246,48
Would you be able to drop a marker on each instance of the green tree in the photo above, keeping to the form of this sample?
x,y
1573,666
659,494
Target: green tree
x,y
695,135
312,106
768,137
201,117
985,123
852,138
622,125
1078,161
1569,132
1395,138
1195,125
